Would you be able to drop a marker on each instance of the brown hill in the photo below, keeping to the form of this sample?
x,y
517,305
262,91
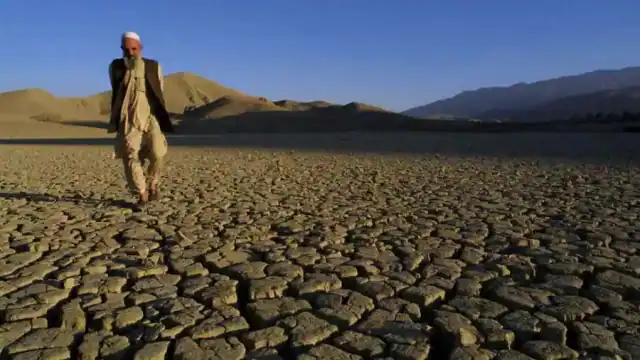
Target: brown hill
x,y
318,105
197,101
302,105
357,107
231,105
39,103
182,90
251,114
236,105
28,101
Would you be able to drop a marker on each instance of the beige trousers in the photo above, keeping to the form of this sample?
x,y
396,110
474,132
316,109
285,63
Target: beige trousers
x,y
133,147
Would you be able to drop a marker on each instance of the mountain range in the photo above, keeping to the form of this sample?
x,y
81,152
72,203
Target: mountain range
x,y
558,98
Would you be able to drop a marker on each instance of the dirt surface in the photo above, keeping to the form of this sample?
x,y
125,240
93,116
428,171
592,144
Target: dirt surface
x,y
334,246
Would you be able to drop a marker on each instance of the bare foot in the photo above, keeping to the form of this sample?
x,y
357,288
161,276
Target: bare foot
x,y
154,194
143,198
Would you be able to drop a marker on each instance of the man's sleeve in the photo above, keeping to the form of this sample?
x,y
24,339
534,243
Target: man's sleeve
x,y
161,78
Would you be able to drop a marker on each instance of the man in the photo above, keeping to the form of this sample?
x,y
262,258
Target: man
x,y
139,116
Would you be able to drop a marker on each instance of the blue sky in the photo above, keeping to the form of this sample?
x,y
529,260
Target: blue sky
x,y
395,54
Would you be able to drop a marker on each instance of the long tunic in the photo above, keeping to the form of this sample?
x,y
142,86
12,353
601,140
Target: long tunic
x,y
139,134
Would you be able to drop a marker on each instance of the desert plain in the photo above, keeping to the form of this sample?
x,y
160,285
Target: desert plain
x,y
350,245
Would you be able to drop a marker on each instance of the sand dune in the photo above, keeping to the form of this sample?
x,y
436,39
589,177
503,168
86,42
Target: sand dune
x,y
187,95
182,90
248,114
200,106
187,90
40,104
231,105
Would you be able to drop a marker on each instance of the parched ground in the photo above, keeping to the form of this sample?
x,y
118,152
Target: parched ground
x,y
439,246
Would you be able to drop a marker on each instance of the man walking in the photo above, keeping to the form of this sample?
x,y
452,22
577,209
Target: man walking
x,y
139,116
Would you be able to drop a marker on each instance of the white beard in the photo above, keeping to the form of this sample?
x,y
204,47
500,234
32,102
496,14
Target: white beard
x,y
131,63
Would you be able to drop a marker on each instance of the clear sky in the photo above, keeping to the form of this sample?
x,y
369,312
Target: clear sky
x,y
395,54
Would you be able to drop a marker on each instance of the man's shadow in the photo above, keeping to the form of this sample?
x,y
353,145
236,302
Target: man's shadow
x,y
63,198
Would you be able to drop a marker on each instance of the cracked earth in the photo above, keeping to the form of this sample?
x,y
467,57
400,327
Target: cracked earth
x,y
265,254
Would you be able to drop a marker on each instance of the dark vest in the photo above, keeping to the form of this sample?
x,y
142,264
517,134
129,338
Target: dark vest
x,y
154,93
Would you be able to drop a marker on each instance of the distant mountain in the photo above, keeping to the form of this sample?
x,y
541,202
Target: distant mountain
x,y
526,95
604,102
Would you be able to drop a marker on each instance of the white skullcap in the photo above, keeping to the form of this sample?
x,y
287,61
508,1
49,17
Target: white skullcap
x,y
131,35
